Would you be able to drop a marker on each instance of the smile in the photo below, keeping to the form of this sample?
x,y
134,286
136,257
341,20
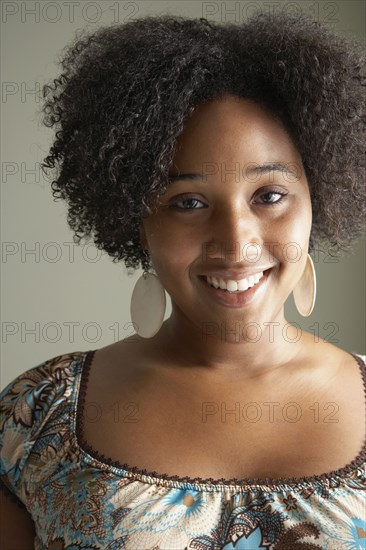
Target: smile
x,y
235,294
235,286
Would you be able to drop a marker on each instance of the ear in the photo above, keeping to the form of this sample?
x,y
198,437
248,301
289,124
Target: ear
x,y
143,237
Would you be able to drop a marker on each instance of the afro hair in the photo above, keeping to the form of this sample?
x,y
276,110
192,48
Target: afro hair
x,y
126,90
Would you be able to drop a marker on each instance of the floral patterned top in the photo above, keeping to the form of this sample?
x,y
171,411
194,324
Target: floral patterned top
x,y
81,499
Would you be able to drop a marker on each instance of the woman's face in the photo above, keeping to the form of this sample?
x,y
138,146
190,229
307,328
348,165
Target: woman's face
x,y
236,204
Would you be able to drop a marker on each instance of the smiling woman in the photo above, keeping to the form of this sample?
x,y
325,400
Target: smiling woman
x,y
230,209
216,157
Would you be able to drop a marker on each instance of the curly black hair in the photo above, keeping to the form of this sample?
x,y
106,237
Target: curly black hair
x,y
127,89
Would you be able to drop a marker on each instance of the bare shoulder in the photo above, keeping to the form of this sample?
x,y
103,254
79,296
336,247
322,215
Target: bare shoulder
x,y
116,367
336,376
328,357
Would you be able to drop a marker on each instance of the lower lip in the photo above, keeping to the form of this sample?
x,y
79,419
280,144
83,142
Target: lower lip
x,y
237,299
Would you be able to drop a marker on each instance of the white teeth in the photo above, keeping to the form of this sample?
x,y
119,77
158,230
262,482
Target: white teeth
x,y
214,282
234,286
244,284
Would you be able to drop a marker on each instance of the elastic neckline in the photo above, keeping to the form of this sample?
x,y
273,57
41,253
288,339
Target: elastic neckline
x,y
206,484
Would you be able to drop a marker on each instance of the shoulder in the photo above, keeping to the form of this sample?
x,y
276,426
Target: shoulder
x,y
26,404
341,374
320,351
19,399
46,367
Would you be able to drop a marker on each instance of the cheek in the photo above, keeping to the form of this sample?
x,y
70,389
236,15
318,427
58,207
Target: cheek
x,y
293,237
171,248
298,217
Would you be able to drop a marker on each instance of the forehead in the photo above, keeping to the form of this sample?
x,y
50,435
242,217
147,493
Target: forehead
x,y
234,129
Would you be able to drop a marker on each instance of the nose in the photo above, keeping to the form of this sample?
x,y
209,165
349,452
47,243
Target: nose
x,y
234,234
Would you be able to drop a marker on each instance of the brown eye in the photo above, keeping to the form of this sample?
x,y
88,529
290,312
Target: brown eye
x,y
273,202
184,200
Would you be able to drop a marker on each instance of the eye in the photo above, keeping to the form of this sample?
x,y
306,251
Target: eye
x,y
273,202
184,199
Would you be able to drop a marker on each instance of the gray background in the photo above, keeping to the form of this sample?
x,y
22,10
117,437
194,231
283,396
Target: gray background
x,y
57,297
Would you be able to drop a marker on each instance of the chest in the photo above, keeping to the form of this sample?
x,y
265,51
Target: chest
x,y
288,430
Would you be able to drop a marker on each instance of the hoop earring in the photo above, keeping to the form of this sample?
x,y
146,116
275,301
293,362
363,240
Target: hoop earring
x,y
304,292
148,304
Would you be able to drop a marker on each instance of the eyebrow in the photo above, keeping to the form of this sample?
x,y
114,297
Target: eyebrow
x,y
262,169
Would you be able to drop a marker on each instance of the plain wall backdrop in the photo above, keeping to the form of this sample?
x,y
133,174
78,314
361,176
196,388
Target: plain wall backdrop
x,y
57,297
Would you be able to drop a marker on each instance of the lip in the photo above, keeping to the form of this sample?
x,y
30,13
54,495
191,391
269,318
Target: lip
x,y
237,299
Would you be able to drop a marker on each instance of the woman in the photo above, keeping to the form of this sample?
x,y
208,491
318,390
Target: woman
x,y
219,156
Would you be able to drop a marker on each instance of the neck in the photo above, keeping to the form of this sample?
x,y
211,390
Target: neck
x,y
230,349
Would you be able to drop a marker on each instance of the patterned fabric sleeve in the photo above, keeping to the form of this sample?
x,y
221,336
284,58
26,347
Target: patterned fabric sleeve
x,y
25,406
16,423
